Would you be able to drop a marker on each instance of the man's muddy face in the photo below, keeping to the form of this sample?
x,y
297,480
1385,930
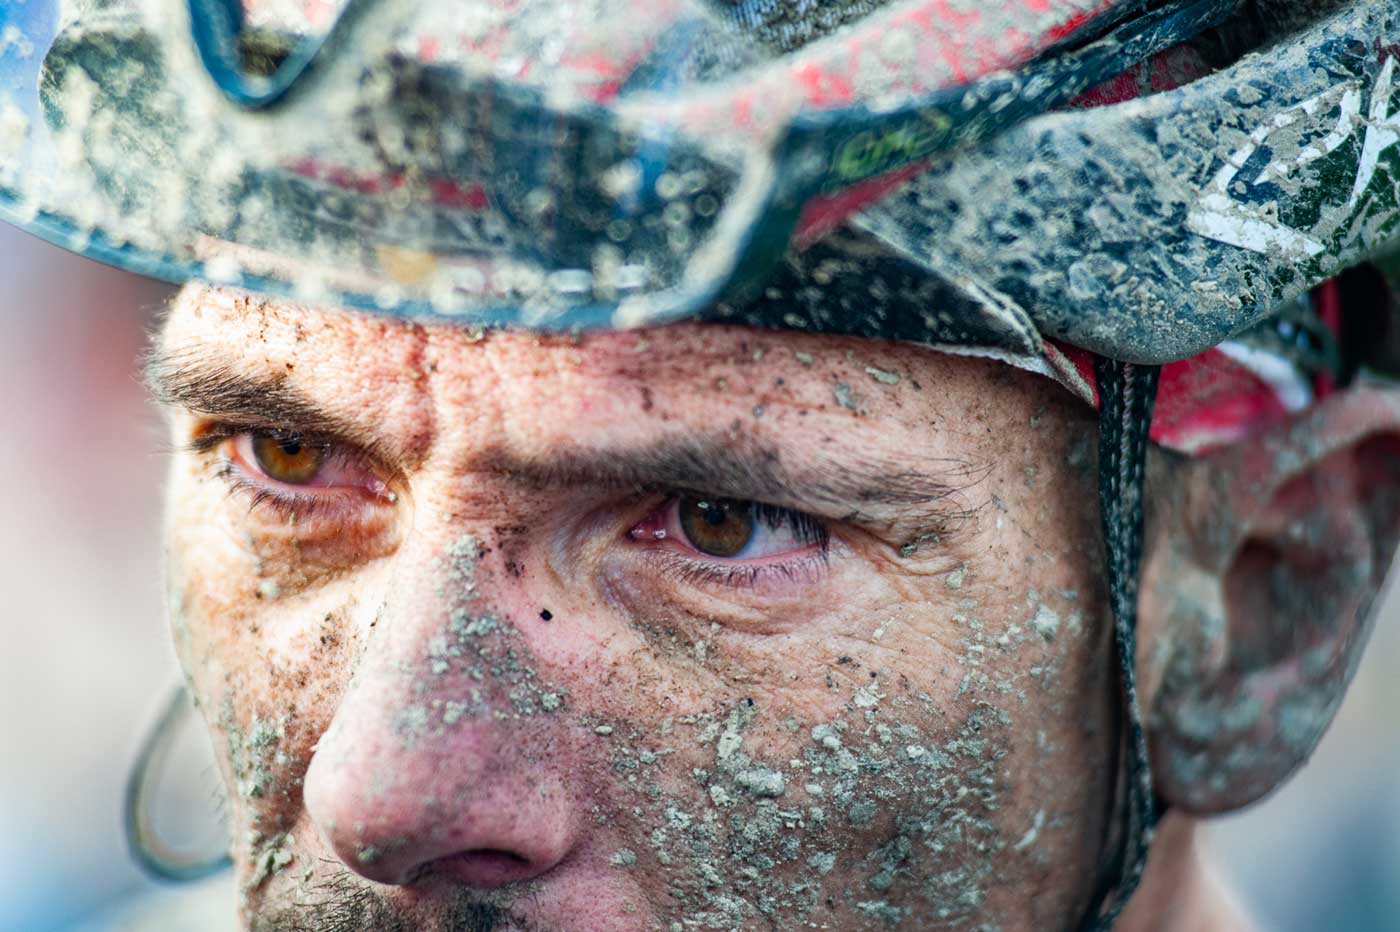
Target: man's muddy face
x,y
691,628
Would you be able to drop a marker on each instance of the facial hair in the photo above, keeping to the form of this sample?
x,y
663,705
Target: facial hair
x,y
341,903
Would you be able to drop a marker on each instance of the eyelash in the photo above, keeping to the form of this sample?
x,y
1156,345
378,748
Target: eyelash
x,y
806,567
290,506
808,529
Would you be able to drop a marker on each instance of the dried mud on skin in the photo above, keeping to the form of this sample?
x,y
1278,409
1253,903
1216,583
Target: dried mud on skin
x,y
897,791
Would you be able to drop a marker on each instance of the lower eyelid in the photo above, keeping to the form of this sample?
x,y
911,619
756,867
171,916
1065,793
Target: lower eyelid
x,y
804,569
287,504
661,586
261,495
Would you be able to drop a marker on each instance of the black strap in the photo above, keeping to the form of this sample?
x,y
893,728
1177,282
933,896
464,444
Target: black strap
x,y
1126,396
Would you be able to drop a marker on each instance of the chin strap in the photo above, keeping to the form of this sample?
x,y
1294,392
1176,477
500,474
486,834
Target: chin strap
x,y
1126,396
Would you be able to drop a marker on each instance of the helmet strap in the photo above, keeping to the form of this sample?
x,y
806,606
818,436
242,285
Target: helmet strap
x,y
1127,392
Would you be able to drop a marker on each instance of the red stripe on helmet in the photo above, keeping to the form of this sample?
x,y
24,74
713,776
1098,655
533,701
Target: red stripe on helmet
x,y
823,215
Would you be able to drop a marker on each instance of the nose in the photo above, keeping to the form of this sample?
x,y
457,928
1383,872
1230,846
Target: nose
x,y
446,755
468,814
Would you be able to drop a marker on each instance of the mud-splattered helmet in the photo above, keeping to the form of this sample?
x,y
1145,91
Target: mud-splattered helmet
x,y
1120,194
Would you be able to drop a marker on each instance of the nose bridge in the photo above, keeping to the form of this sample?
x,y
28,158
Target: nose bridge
x,y
447,745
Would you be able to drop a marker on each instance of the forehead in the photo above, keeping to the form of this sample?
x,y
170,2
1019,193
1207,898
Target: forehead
x,y
684,371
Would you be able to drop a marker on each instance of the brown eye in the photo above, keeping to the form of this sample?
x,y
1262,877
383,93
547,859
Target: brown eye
x,y
716,526
287,458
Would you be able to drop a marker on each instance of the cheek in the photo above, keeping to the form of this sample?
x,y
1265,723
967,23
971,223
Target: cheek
x,y
267,669
887,804
819,789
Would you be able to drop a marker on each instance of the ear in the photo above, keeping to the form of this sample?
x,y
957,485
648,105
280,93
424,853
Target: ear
x,y
1261,565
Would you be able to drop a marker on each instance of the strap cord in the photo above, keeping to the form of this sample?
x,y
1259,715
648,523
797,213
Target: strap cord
x,y
1127,392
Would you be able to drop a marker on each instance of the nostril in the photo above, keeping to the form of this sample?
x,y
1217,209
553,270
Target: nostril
x,y
487,867
495,854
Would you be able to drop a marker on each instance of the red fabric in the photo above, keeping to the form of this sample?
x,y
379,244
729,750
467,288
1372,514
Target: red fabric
x,y
1204,402
1209,401
1074,369
1174,67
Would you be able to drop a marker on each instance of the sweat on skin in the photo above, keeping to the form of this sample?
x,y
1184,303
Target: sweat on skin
x,y
455,689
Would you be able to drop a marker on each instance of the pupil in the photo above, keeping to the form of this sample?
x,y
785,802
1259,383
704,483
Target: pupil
x,y
291,447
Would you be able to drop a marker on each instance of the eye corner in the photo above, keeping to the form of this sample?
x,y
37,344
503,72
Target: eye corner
x,y
653,526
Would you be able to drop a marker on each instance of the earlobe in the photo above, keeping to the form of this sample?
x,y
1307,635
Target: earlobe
x,y
1261,569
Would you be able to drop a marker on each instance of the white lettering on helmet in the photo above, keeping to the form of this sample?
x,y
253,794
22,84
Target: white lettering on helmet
x,y
1223,215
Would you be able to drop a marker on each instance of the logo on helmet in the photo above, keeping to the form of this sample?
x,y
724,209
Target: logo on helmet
x,y
1244,212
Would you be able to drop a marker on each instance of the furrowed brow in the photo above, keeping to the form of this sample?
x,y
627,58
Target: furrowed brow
x,y
918,500
847,486
203,383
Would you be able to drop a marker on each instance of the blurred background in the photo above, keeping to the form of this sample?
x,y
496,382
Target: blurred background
x,y
87,661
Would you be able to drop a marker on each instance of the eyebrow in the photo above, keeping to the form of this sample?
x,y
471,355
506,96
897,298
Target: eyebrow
x,y
200,382
740,468
846,485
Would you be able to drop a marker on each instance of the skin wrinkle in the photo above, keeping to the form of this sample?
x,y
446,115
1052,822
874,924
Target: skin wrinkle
x,y
908,737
